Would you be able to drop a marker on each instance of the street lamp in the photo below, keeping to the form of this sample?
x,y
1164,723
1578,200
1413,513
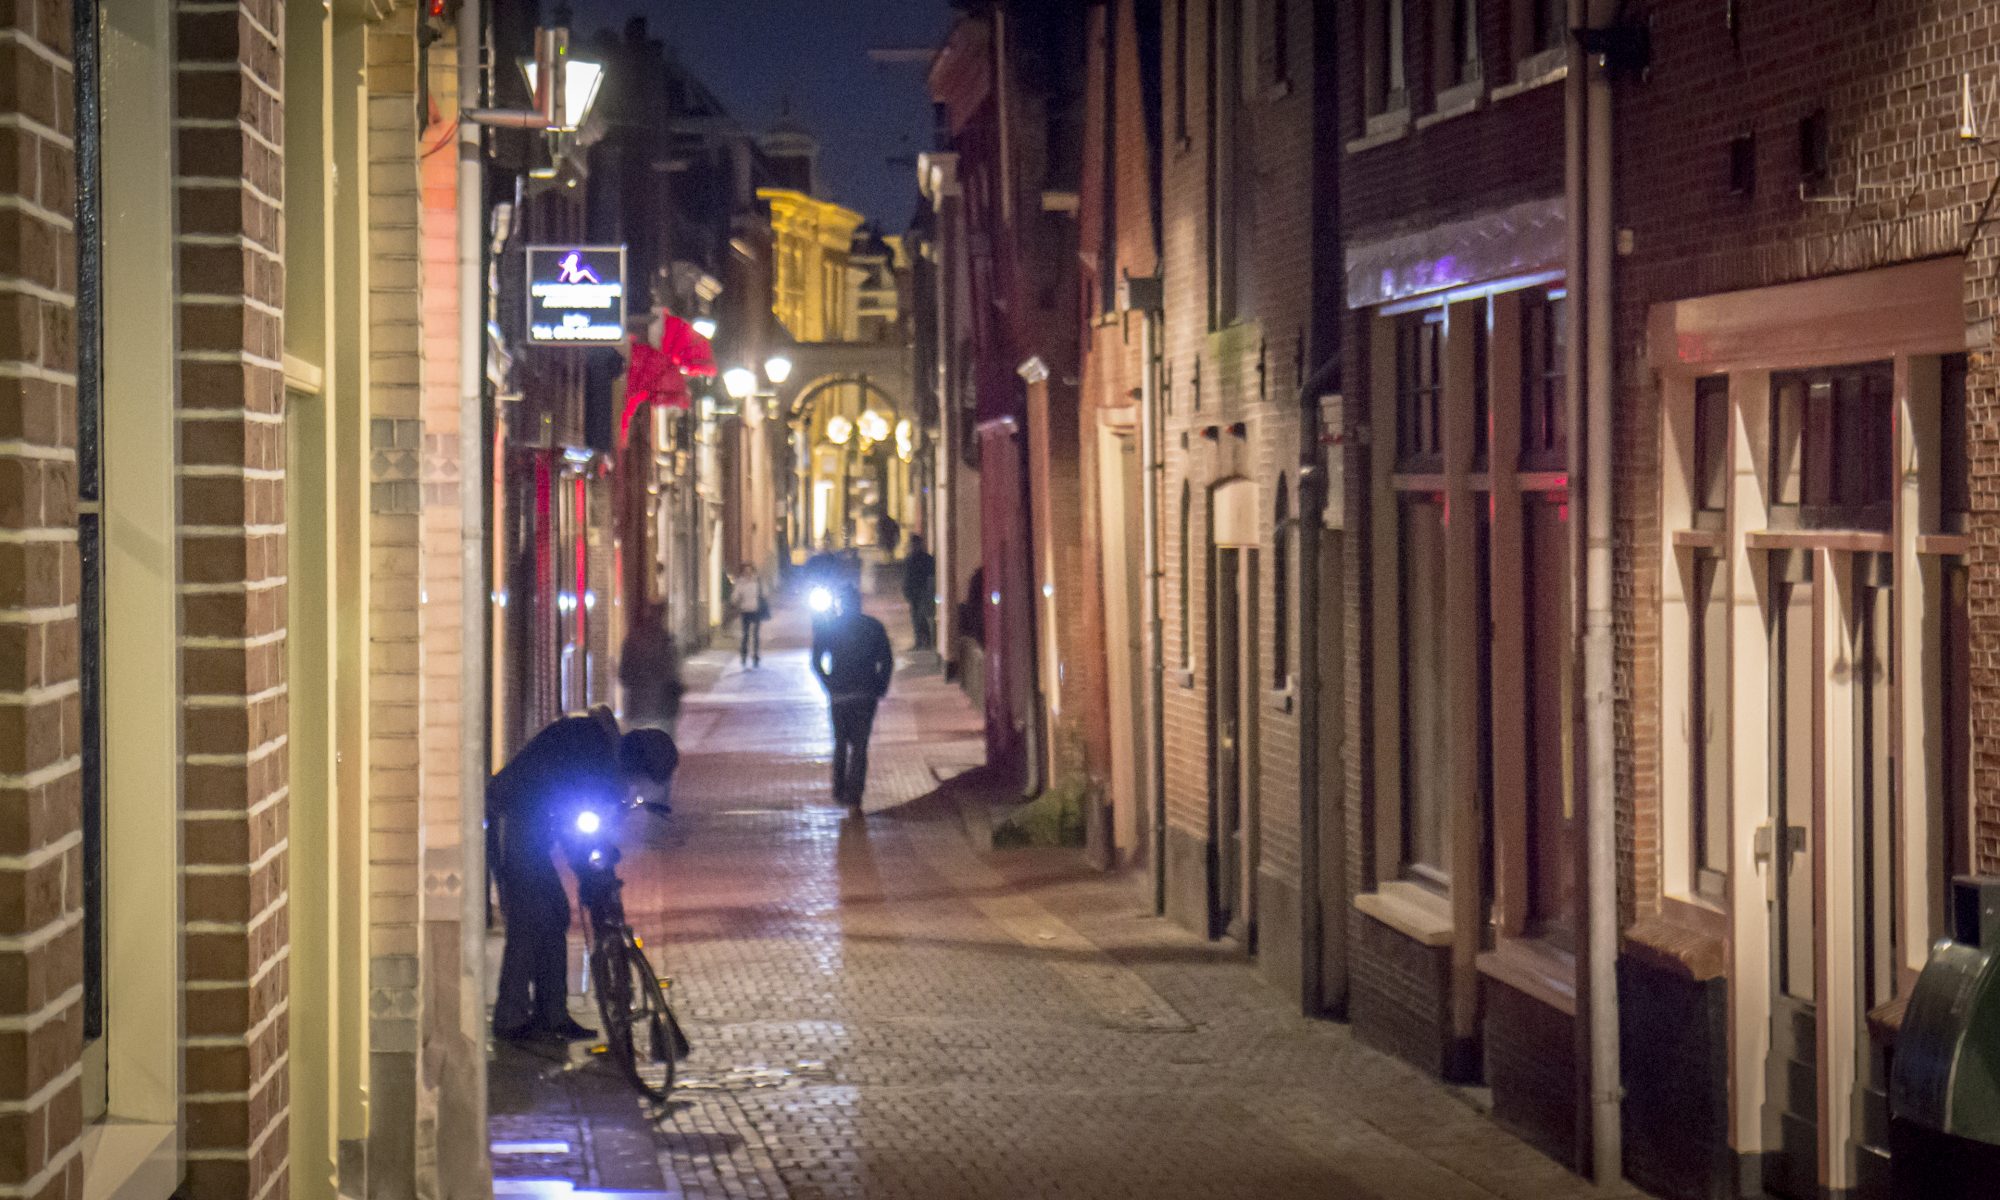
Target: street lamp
x,y
874,426
839,429
581,80
777,368
705,326
740,382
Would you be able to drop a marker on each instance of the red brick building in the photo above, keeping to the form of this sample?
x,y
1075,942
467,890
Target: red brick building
x,y
1805,561
1244,94
1462,838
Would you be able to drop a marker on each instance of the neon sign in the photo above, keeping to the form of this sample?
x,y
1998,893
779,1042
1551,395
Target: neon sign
x,y
576,295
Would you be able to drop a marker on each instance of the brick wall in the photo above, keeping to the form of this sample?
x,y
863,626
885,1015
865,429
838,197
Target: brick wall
x,y
41,931
395,596
1248,374
229,129
1887,76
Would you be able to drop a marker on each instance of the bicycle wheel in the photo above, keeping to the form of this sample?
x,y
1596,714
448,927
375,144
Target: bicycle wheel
x,y
611,977
654,1029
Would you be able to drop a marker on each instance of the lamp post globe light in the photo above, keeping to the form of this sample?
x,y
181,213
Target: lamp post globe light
x,y
777,368
839,429
874,426
581,80
740,382
704,326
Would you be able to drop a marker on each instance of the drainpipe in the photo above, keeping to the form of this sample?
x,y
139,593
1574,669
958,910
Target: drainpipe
x,y
473,600
1308,516
1593,95
1143,295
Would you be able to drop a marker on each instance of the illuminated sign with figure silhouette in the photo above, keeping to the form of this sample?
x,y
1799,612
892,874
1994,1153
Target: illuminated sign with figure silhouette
x,y
576,295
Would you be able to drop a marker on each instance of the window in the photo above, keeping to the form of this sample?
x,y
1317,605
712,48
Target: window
x,y
1231,190
1482,392
90,543
1550,825
1954,479
1874,769
1426,809
1708,732
1278,20
1815,152
1831,446
1281,590
1180,71
1382,41
1544,392
1107,183
1187,583
1420,391
1457,43
1545,25
1708,488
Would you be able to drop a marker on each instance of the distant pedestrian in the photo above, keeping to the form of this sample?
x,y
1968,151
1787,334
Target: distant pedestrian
x,y
888,534
753,608
920,589
649,666
532,806
853,659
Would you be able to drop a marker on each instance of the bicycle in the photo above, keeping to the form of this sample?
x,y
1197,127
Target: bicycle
x,y
631,996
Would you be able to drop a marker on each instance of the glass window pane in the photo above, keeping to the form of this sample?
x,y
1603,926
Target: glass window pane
x,y
1426,767
1551,824
1708,715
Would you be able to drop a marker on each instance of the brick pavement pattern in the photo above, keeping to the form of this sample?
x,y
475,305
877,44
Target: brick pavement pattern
x,y
879,1011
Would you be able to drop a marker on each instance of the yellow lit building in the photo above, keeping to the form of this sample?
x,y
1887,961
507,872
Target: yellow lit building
x,y
851,444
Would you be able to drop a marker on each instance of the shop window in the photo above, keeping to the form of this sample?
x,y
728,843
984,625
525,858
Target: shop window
x,y
1482,391
1551,825
1831,447
1420,391
1708,727
1543,393
1426,763
1382,41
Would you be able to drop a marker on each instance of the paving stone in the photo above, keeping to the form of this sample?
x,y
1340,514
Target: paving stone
x,y
878,1011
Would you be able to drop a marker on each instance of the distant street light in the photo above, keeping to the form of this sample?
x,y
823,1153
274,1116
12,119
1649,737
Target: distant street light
x,y
777,368
839,429
705,326
874,426
740,382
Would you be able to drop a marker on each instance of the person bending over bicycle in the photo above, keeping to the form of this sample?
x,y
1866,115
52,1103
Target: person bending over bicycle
x,y
557,788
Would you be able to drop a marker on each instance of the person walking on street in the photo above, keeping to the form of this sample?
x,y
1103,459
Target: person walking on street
x,y
920,589
753,609
649,666
531,809
852,657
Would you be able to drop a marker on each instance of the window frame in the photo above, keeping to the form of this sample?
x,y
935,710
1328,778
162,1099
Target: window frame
x,y
1385,71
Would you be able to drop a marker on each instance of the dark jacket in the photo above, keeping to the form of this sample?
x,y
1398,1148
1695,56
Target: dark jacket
x,y
649,665
534,798
920,577
852,657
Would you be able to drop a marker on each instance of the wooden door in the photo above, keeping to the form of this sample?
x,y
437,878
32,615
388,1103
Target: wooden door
x,y
1225,716
1790,843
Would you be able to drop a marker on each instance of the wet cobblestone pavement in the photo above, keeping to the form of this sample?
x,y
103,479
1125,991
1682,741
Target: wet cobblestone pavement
x,y
879,1011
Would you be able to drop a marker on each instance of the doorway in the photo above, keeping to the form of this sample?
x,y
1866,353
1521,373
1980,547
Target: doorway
x,y
1233,699
1834,945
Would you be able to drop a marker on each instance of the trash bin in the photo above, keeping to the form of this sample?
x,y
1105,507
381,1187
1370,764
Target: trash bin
x,y
1944,1084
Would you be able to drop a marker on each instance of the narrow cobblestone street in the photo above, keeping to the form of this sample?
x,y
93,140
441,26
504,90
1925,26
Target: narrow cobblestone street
x,y
878,1010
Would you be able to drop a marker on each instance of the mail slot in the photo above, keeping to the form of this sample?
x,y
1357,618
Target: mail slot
x,y
1944,1084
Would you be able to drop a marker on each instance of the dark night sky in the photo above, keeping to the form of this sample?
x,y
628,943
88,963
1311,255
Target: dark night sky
x,y
757,54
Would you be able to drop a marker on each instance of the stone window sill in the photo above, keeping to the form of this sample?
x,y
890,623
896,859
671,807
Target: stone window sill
x,y
1536,71
1535,969
1679,946
1281,699
1383,128
1459,101
1415,912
